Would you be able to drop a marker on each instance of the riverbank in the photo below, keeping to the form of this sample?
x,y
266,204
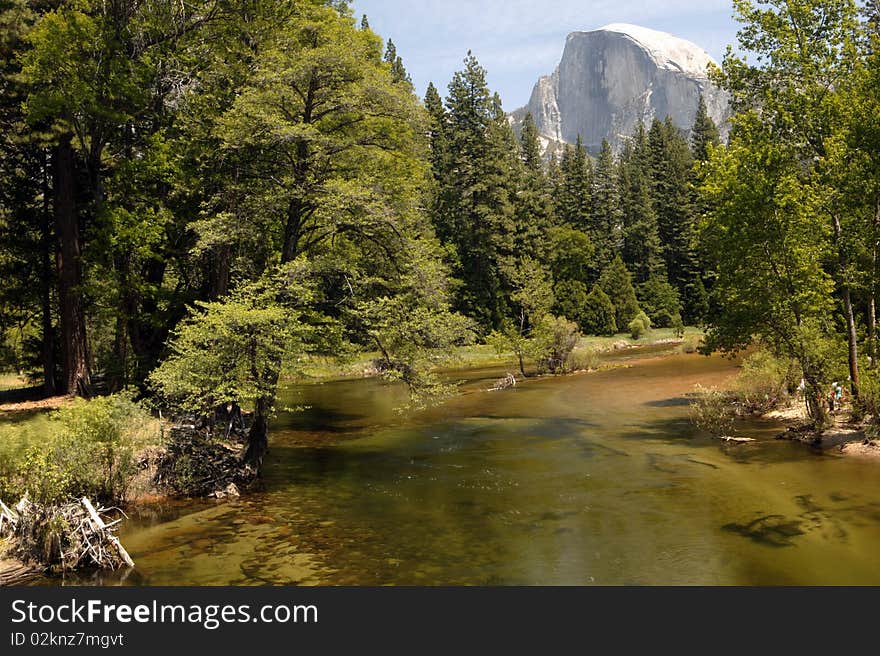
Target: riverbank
x,y
479,356
844,436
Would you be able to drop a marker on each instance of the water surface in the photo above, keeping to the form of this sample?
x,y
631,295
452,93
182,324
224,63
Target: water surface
x,y
587,479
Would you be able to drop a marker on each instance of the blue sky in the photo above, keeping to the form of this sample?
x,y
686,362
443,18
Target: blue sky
x,y
519,40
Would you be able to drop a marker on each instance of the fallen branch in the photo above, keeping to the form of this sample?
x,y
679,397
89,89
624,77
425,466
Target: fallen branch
x,y
65,537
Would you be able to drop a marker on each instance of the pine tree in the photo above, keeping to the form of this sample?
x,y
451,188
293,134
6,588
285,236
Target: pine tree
x,y
672,172
641,249
616,282
474,211
437,132
398,70
597,317
605,228
574,189
534,203
704,133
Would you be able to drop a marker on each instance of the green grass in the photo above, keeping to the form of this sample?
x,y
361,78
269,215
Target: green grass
x,y
475,356
12,381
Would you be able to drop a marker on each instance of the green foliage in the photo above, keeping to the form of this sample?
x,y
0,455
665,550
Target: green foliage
x,y
704,133
713,412
637,327
572,300
232,350
616,282
554,340
87,449
765,381
659,300
571,253
642,250
584,359
598,313
677,326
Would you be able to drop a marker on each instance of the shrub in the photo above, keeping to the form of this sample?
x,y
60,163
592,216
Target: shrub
x,y
869,393
712,411
691,344
677,326
597,317
765,381
583,359
639,326
554,340
88,450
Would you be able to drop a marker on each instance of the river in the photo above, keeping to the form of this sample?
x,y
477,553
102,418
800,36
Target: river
x,y
586,479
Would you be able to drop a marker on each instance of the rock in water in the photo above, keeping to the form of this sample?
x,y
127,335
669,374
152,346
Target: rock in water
x,y
612,78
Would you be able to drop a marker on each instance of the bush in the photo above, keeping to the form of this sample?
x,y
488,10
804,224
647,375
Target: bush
x,y
554,340
869,392
637,329
691,344
639,326
712,411
583,359
88,450
597,317
677,326
765,381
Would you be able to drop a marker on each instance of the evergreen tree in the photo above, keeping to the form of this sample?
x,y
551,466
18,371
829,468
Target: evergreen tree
x,y
398,70
437,134
672,169
704,133
659,300
573,191
571,301
605,224
597,317
641,249
474,212
534,203
616,282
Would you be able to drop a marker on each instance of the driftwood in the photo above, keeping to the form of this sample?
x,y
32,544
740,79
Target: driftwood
x,y
17,574
66,537
504,383
740,440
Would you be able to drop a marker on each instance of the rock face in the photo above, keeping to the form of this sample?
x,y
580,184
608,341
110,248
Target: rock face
x,y
612,78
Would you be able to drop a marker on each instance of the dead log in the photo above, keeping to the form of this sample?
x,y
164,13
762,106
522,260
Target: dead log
x,y
17,574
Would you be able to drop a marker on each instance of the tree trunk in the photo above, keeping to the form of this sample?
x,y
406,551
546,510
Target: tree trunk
x,y
74,345
220,272
872,286
852,340
258,436
46,277
851,335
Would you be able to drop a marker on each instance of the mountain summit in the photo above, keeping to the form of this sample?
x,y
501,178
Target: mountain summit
x,y
612,78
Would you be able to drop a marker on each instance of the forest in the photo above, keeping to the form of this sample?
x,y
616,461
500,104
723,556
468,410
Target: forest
x,y
196,198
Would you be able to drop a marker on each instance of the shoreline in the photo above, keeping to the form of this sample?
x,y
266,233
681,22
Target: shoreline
x,y
843,437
